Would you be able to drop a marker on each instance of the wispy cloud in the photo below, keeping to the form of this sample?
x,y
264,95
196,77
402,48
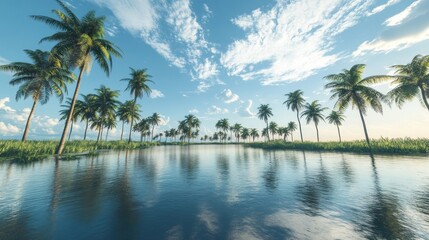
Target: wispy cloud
x,y
228,96
4,61
382,7
290,41
8,129
156,94
403,30
213,110
245,109
4,107
194,111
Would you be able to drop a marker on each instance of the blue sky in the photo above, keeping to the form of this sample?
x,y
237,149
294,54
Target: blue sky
x,y
222,59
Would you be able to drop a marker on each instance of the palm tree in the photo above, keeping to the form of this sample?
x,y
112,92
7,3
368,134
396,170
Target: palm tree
x,y
190,122
64,113
110,123
337,118
265,112
273,128
154,120
295,101
137,85
86,109
39,79
143,127
245,134
236,128
126,112
411,80
265,133
79,41
314,112
223,125
292,127
254,133
350,89
285,131
106,104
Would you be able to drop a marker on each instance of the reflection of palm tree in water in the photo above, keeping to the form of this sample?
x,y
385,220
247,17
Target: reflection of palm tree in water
x,y
384,213
271,173
189,162
346,170
222,163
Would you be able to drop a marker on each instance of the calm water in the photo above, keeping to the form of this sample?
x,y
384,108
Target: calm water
x,y
216,192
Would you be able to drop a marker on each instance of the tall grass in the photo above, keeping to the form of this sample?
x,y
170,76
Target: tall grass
x,y
35,150
379,146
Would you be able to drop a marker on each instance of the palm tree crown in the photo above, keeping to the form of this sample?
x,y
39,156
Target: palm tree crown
x,y
337,118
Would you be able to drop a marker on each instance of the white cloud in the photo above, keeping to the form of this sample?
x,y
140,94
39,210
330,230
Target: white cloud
x,y
400,17
403,30
290,41
194,111
45,121
228,96
8,129
156,94
245,109
206,70
48,131
164,120
4,61
381,8
216,110
5,108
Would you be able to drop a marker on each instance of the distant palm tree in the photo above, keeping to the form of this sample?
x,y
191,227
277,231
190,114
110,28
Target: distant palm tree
x,y
40,79
314,112
411,80
223,125
106,104
110,123
273,128
143,127
264,113
254,133
154,120
192,124
283,131
86,109
137,85
292,128
337,118
350,89
295,101
79,41
126,112
245,133
265,133
237,131
64,113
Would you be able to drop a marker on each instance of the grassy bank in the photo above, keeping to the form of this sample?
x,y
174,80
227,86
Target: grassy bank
x,y
380,146
35,150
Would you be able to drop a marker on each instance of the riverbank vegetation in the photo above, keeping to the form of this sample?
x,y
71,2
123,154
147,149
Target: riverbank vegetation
x,y
379,146
36,150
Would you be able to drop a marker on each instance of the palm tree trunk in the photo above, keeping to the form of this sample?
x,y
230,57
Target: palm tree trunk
x,y
122,132
27,125
364,127
299,123
86,129
71,130
99,134
339,134
425,100
151,138
60,148
291,136
141,137
268,133
107,133
317,131
132,119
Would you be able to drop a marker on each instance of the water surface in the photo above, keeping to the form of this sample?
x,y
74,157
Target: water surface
x,y
216,192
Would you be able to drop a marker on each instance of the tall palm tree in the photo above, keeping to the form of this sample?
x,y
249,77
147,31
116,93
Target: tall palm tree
x,y
86,109
191,123
137,85
314,112
126,112
254,133
223,125
154,120
236,128
292,127
79,41
245,133
106,104
411,80
39,80
350,89
64,113
264,113
273,128
143,127
295,101
337,118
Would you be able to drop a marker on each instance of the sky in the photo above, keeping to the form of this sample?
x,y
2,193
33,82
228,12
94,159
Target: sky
x,y
222,59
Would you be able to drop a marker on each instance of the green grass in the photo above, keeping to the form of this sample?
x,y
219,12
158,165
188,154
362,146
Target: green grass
x,y
36,150
380,146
